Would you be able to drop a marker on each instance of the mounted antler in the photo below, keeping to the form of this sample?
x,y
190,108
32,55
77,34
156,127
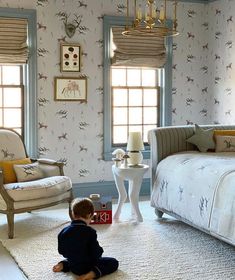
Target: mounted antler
x,y
70,28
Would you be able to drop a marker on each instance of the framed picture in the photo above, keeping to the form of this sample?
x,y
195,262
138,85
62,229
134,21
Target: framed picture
x,y
70,89
70,60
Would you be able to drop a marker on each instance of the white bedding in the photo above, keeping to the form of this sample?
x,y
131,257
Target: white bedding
x,y
200,187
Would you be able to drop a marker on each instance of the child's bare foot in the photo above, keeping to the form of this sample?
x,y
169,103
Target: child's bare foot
x,y
89,276
58,267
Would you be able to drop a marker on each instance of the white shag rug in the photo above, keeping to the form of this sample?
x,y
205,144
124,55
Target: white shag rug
x,y
153,250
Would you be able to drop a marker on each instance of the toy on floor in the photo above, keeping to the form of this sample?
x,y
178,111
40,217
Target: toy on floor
x,y
103,209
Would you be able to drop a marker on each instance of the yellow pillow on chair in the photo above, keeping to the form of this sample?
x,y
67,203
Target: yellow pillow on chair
x,y
9,175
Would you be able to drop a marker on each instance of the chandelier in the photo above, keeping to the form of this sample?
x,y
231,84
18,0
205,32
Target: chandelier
x,y
151,20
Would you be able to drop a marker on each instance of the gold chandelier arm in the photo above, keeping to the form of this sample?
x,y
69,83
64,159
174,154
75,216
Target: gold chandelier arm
x,y
151,9
127,8
165,11
135,10
127,15
175,16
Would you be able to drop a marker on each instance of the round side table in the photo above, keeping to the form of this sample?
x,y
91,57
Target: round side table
x,y
134,175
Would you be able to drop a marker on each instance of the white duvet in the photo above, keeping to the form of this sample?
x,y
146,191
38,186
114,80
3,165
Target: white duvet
x,y
200,187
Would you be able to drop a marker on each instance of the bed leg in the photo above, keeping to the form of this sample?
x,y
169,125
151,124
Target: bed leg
x,y
158,213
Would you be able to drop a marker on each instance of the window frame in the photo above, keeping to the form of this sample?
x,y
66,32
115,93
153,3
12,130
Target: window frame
x,y
30,78
4,86
129,107
165,118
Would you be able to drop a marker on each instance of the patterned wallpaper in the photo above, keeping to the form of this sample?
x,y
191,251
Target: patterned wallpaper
x,y
221,61
189,101
202,76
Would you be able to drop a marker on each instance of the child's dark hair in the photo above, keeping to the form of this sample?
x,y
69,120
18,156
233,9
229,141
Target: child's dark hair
x,y
82,207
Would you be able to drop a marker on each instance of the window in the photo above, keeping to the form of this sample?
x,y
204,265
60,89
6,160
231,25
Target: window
x,y
135,99
11,97
18,86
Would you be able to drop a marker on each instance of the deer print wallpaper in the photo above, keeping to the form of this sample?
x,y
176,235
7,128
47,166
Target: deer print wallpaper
x,y
189,101
72,131
221,62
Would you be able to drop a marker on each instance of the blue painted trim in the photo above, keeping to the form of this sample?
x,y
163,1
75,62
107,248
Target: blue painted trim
x,y
165,117
107,188
31,102
30,118
107,24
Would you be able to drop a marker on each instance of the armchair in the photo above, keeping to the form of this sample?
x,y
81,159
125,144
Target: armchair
x,y
28,184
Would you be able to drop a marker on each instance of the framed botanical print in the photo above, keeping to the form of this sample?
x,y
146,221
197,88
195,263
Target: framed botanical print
x,y
70,60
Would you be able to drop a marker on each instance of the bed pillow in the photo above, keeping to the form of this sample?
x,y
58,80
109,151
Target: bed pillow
x,y
28,172
9,175
225,132
225,143
203,139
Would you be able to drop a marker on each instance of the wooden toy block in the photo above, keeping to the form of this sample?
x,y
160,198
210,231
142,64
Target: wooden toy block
x,y
103,209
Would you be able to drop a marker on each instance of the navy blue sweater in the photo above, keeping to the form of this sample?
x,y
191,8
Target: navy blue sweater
x,y
78,244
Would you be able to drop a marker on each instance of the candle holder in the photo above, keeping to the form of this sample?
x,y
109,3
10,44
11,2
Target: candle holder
x,y
134,147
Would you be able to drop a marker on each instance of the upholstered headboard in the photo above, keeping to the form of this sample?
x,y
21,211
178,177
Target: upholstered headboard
x,y
168,140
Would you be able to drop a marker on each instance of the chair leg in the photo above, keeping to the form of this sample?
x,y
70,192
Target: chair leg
x,y
10,221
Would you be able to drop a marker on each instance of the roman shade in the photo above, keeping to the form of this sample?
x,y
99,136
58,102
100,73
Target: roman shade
x,y
13,40
137,51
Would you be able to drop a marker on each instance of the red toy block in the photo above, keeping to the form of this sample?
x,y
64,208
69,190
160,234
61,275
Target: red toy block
x,y
102,217
103,209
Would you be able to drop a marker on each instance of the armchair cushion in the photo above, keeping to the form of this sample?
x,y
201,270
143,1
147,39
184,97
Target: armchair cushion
x,y
28,172
42,188
9,175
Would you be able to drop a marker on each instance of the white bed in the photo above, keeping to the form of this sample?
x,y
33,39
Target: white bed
x,y
197,188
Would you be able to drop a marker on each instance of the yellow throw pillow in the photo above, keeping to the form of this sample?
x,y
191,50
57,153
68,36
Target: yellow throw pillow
x,y
224,132
9,175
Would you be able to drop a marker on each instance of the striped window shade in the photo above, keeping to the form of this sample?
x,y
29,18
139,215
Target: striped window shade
x,y
13,40
136,51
